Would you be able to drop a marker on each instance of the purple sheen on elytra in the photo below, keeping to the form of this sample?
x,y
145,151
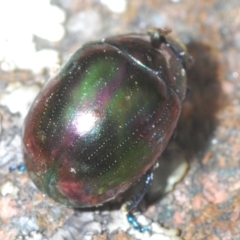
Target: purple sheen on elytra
x,y
103,120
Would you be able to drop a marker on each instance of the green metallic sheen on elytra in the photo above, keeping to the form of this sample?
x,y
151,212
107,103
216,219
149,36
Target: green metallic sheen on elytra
x,y
103,120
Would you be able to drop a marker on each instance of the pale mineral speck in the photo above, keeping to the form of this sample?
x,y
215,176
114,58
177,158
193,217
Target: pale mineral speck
x,y
214,141
8,188
235,74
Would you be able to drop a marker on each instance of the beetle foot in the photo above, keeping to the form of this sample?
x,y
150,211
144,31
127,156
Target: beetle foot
x,y
134,222
19,167
152,230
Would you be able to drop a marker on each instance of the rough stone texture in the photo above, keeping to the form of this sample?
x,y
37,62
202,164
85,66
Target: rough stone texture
x,y
206,204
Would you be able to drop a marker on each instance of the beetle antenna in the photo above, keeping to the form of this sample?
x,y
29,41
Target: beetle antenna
x,y
158,36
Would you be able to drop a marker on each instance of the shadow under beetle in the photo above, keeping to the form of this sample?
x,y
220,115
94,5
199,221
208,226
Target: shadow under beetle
x,y
101,123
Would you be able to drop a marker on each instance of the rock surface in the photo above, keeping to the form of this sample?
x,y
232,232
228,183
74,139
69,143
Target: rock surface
x,y
206,203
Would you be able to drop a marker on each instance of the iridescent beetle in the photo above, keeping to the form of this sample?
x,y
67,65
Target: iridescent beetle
x,y
101,123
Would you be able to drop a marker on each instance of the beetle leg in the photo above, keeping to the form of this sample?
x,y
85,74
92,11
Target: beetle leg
x,y
135,200
188,92
130,205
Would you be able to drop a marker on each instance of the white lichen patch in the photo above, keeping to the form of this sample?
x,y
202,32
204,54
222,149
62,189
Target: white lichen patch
x,y
78,22
20,21
119,6
18,97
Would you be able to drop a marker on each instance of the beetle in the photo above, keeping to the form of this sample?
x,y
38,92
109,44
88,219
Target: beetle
x,y
100,124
